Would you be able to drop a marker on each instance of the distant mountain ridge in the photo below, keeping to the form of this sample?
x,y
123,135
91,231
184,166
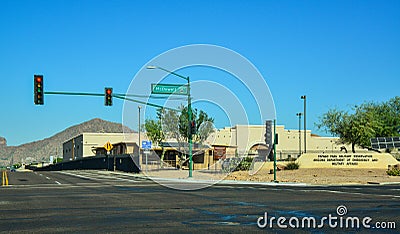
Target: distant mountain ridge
x,y
42,149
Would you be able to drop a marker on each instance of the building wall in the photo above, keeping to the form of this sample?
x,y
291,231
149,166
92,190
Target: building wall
x,y
82,145
91,140
79,147
246,137
67,150
225,136
242,139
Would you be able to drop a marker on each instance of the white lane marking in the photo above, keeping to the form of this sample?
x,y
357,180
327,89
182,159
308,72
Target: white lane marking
x,y
79,185
57,182
40,174
121,179
350,193
47,178
80,176
95,176
325,190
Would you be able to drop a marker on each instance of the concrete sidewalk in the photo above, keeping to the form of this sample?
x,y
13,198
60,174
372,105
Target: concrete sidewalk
x,y
200,177
166,176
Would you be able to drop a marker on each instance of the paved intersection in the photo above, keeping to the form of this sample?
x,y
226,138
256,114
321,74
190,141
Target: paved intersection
x,y
101,201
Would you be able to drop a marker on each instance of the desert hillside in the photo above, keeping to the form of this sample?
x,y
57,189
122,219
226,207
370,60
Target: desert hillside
x,y
42,149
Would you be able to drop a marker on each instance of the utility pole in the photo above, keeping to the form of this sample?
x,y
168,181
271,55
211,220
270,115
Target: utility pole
x,y
299,114
304,97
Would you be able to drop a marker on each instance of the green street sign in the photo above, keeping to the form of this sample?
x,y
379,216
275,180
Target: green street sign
x,y
176,89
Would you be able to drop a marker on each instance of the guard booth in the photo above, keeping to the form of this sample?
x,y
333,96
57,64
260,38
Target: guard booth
x,y
202,160
176,155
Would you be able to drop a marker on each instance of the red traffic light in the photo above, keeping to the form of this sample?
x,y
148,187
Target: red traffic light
x,y
193,129
38,90
108,96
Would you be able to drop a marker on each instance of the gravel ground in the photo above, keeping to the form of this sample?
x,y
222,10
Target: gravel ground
x,y
320,176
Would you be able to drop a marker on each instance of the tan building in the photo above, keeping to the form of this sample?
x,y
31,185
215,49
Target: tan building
x,y
246,140
239,140
84,145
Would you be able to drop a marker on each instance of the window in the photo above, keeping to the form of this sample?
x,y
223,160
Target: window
x,y
198,158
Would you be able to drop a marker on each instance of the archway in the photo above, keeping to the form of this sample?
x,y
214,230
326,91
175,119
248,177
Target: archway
x,y
259,150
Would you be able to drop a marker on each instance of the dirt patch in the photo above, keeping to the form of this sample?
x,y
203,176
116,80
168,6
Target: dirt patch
x,y
319,176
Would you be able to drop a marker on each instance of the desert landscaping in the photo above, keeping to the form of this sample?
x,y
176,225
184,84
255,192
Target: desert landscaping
x,y
319,176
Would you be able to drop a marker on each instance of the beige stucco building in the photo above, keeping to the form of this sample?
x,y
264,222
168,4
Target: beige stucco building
x,y
239,140
84,144
247,139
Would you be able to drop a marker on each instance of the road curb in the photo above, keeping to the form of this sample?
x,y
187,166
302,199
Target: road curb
x,y
383,183
240,182
220,182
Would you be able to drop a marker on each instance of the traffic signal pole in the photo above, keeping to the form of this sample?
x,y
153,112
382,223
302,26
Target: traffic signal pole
x,y
190,137
275,150
190,131
119,96
39,93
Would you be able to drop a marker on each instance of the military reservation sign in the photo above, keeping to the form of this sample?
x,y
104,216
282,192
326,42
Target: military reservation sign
x,y
349,160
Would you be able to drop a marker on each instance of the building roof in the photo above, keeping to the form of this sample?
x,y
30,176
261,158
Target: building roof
x,y
184,144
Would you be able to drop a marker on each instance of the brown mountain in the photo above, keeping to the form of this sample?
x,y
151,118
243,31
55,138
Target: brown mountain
x,y
41,150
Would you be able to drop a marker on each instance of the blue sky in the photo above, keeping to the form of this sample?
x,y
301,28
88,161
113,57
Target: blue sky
x,y
338,53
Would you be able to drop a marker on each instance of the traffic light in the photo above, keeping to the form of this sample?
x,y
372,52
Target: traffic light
x,y
108,96
193,129
268,132
38,89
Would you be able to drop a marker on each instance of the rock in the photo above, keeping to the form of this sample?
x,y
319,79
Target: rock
x,y
280,167
3,141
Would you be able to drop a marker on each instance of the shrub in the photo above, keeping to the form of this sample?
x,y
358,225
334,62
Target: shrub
x,y
393,172
230,164
245,164
292,166
57,160
237,164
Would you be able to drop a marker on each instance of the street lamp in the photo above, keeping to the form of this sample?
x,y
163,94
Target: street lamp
x,y
299,114
189,114
305,131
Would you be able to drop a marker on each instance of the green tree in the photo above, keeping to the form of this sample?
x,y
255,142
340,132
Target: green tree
x,y
386,115
367,121
176,126
344,125
155,133
204,125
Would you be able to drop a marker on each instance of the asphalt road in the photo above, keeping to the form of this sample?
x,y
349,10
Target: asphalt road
x,y
104,202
